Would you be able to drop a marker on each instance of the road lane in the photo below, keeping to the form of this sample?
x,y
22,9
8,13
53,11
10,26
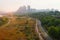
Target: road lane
x,y
39,34
44,34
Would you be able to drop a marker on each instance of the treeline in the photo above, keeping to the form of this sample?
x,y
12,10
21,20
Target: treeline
x,y
52,25
50,21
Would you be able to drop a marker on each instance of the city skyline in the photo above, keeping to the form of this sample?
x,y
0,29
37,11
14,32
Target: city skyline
x,y
13,5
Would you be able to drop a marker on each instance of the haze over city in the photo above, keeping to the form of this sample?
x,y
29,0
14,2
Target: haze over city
x,y
29,20
13,5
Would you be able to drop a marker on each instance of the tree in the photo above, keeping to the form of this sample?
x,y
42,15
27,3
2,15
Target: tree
x,y
54,32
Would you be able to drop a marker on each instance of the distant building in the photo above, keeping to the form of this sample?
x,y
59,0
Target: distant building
x,y
22,9
28,9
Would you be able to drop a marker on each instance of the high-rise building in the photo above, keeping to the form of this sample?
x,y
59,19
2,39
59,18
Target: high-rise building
x,y
28,8
22,9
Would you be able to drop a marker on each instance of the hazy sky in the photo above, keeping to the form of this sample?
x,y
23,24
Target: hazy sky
x,y
13,5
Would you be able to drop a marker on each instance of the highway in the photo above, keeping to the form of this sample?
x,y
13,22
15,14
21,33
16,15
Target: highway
x,y
42,34
39,34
